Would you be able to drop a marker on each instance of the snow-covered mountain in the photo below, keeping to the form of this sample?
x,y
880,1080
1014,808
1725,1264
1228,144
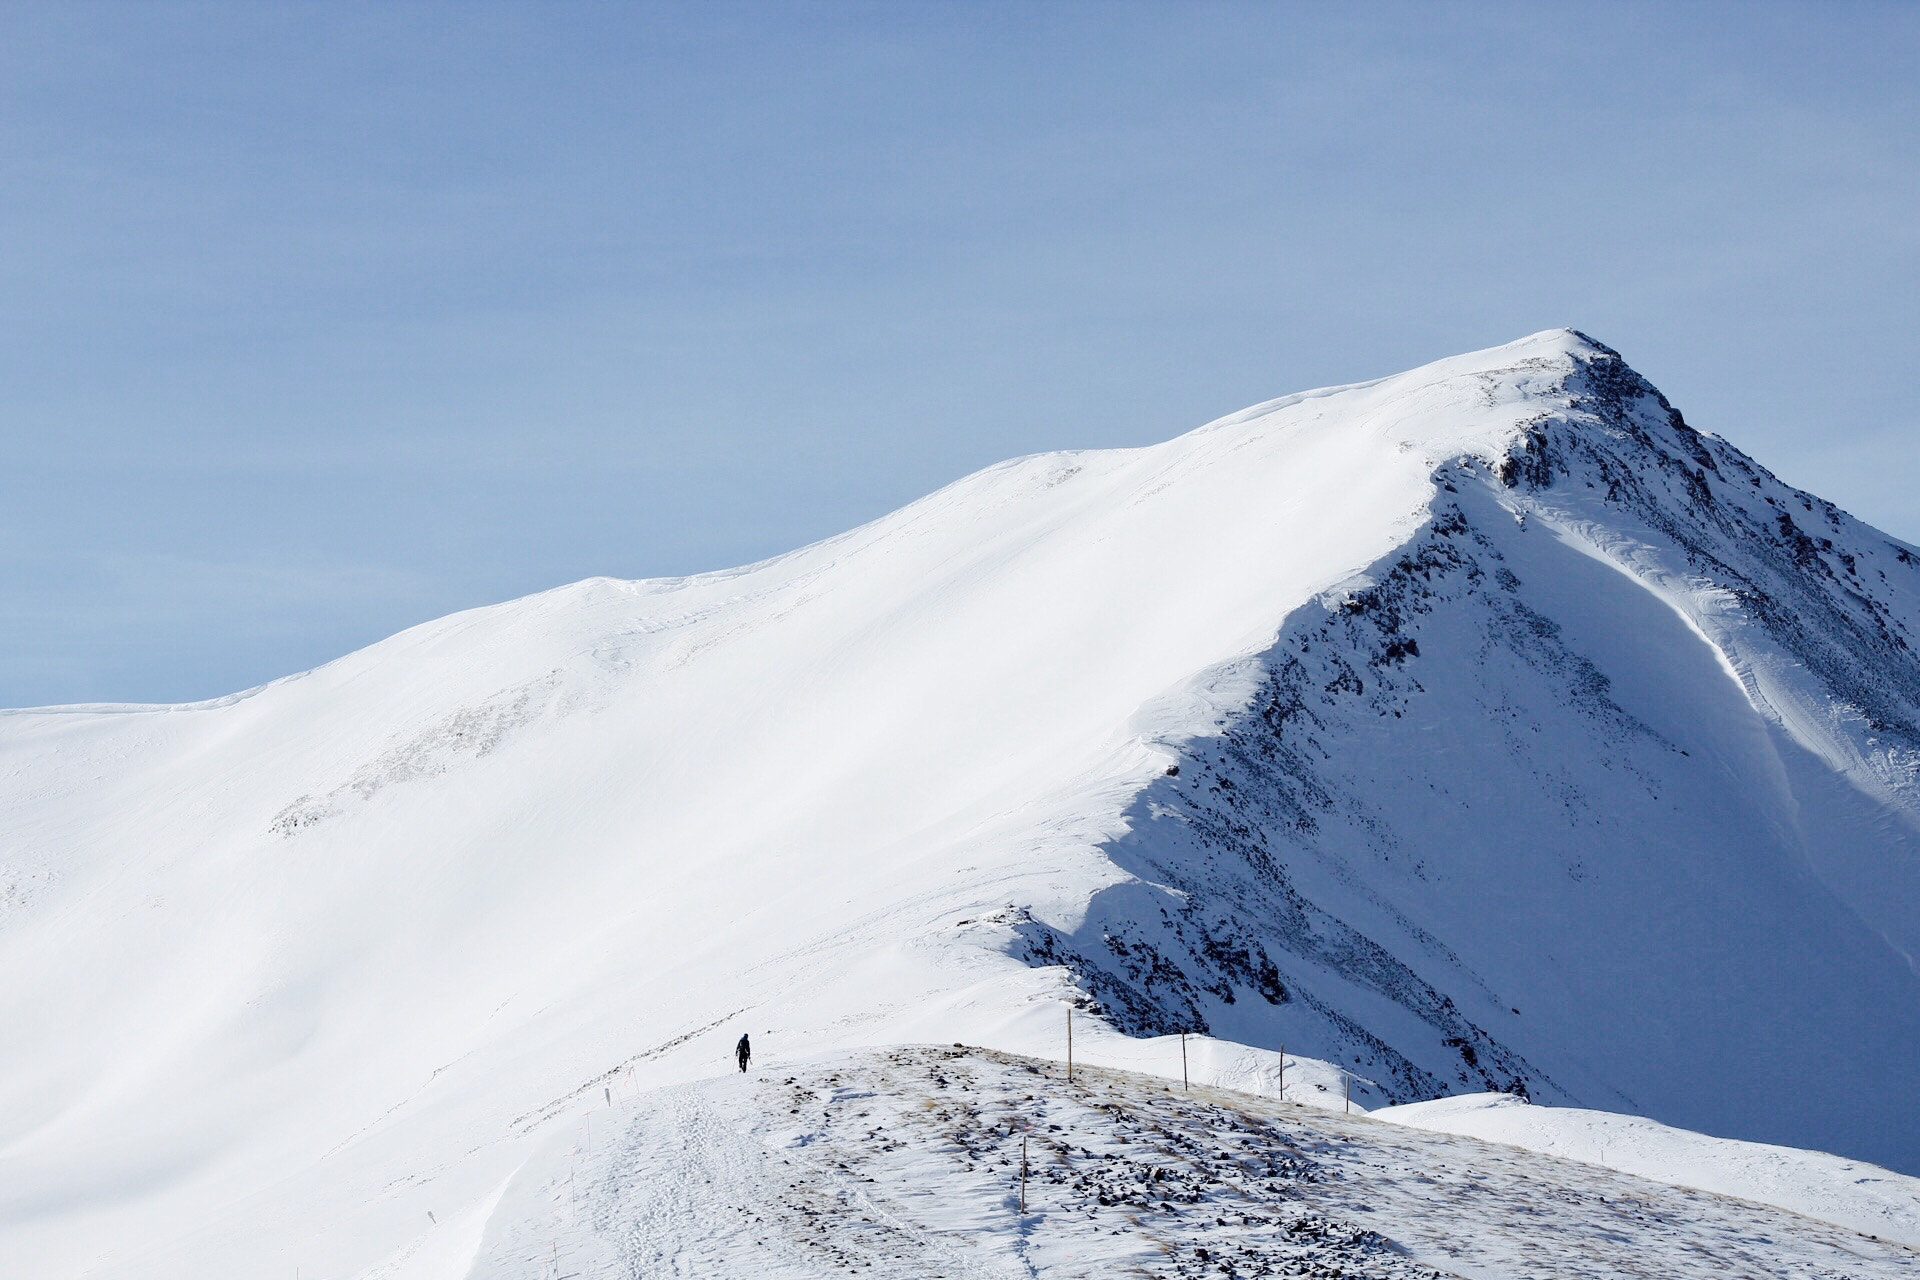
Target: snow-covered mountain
x,y
1480,727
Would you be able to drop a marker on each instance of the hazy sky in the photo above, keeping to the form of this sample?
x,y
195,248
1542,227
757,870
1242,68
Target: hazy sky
x,y
319,321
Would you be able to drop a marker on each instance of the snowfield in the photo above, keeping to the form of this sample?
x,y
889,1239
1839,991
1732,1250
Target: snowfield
x,y
1480,728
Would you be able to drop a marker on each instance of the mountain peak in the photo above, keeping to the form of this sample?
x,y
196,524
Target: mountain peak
x,y
1587,769
1476,406
1569,340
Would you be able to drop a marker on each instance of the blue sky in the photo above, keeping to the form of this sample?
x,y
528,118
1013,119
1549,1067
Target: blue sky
x,y
325,320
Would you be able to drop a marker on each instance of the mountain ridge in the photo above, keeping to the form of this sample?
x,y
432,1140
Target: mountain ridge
x,y
1464,727
1541,345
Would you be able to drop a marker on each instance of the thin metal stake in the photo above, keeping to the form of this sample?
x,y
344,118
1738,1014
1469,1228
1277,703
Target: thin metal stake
x,y
1069,1044
1183,1060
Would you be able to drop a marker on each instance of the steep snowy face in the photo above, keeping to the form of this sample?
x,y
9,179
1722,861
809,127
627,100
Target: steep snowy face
x,y
1601,786
1483,725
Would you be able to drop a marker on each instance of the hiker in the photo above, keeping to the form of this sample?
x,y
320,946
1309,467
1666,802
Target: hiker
x,y
743,1051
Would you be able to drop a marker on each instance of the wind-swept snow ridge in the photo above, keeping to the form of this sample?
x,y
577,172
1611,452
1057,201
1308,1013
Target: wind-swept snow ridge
x,y
905,1163
1483,726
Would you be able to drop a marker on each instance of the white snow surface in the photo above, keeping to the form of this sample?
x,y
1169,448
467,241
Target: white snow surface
x,y
1631,824
1848,1193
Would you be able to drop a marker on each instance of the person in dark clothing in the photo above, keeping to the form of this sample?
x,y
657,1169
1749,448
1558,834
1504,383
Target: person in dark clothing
x,y
743,1052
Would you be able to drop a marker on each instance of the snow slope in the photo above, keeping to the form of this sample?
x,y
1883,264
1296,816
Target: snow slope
x,y
1859,1197
1524,737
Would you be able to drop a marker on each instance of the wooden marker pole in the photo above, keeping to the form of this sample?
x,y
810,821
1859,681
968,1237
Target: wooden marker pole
x,y
1023,1173
1069,1044
1346,1092
1183,1061
1283,1073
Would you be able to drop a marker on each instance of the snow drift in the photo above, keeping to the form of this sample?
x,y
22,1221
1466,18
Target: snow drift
x,y
1860,1197
1480,727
